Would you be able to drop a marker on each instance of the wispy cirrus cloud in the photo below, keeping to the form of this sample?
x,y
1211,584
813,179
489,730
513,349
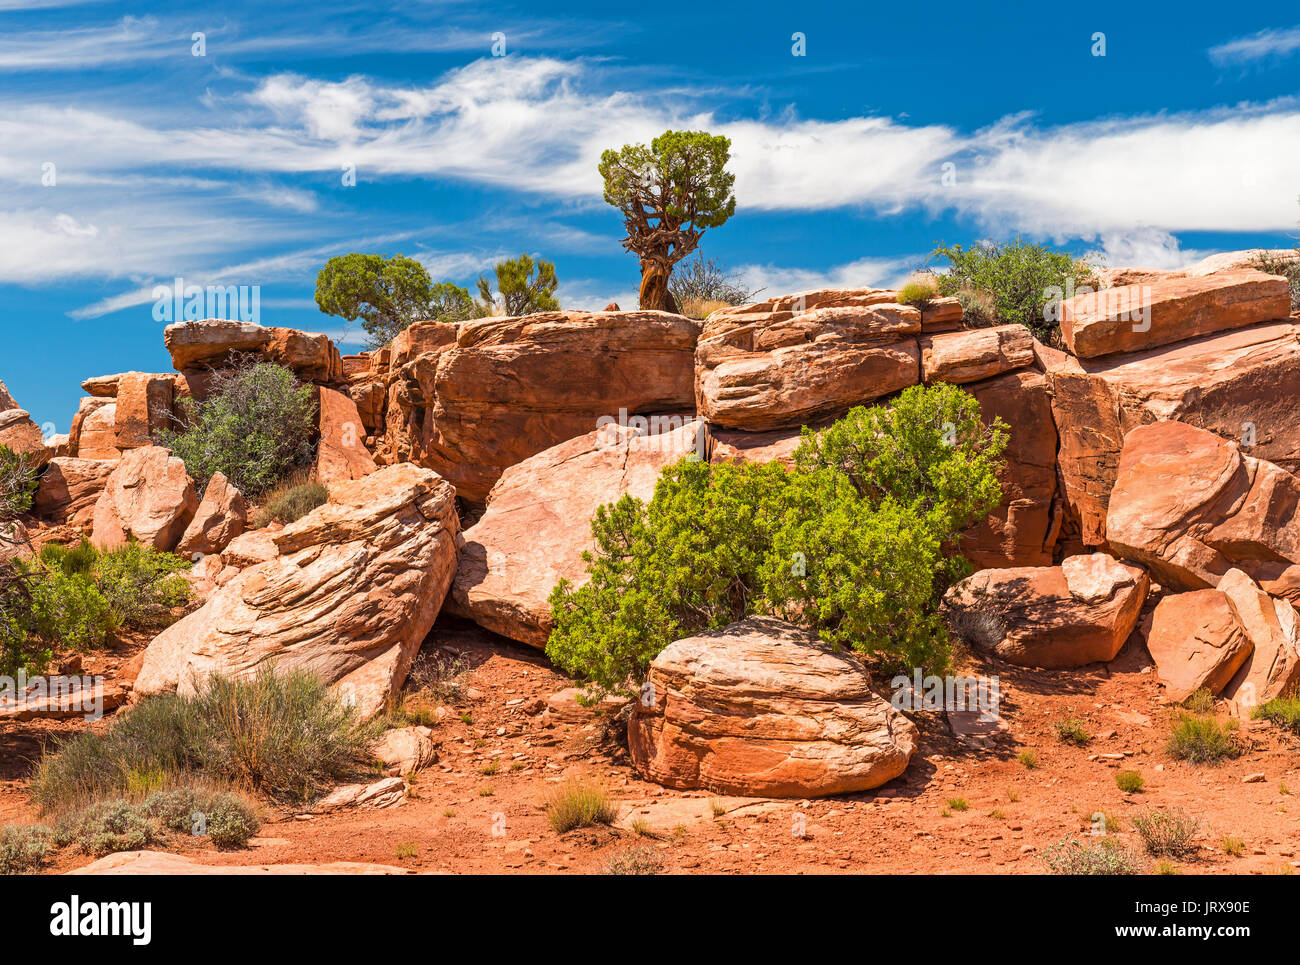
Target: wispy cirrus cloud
x,y
1263,45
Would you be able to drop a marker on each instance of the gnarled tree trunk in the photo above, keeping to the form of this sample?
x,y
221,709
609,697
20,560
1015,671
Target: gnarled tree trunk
x,y
655,295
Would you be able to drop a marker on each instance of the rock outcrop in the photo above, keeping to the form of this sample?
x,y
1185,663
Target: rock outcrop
x,y
69,488
764,708
1070,615
509,388
1190,506
148,497
1141,316
19,432
199,347
974,354
538,524
1197,641
1273,666
221,516
351,595
1239,384
341,451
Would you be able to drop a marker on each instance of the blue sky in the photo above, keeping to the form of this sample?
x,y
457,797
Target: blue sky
x,y
227,168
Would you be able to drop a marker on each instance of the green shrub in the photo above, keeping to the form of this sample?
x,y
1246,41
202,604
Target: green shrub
x,y
699,280
1282,711
579,804
23,848
104,827
856,541
1016,281
1202,740
1130,782
1107,856
256,427
1072,731
76,560
287,735
143,586
227,819
291,501
1166,834
71,611
20,649
17,483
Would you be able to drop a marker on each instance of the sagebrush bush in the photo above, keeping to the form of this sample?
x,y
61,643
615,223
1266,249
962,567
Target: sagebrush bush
x,y
286,735
17,483
291,500
226,819
636,861
857,541
579,804
1107,856
1012,282
256,427
105,827
1201,739
1167,834
23,847
698,280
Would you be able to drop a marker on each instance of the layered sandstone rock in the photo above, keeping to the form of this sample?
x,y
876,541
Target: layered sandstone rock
x,y
1197,641
1240,385
19,432
1141,316
221,516
1191,505
94,429
1273,666
69,488
538,524
147,497
341,452
974,354
212,344
1077,613
350,597
764,708
1227,261
509,388
143,407
782,369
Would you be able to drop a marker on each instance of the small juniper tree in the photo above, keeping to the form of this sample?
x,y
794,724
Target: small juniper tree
x,y
387,294
670,193
524,286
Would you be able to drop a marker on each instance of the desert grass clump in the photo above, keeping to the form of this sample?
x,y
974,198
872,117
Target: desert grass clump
x,y
1130,782
1108,856
292,499
636,861
23,848
701,308
1232,845
1167,834
579,804
1202,739
919,290
1072,731
285,735
1028,759
1282,711
1200,701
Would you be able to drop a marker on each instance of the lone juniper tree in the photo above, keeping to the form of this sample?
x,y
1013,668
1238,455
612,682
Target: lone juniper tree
x,y
669,193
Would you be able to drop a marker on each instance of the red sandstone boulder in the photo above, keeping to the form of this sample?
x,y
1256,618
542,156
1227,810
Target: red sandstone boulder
x,y
1077,613
765,709
341,452
94,429
1240,385
538,524
509,388
148,497
19,432
221,516
1191,506
1273,666
1228,261
783,369
974,354
1197,641
198,347
69,488
1136,317
351,595
142,409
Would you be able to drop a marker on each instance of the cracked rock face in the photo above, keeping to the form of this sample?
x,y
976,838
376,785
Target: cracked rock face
x,y
763,708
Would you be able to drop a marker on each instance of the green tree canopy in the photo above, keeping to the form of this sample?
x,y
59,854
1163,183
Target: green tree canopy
x,y
669,194
387,294
524,286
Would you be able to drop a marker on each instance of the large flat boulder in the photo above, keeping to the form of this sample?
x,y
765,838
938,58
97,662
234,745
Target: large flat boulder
x,y
197,347
1190,506
1272,668
765,709
538,524
69,488
221,517
784,369
974,354
1134,317
511,387
351,595
147,497
1197,642
1063,616
1240,385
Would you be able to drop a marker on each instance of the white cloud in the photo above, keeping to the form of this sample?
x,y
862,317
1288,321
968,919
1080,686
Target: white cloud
x,y
1277,42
